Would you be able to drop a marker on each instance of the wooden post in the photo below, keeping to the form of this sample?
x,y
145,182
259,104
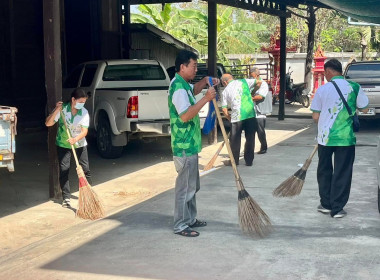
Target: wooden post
x,y
53,82
126,40
281,108
212,57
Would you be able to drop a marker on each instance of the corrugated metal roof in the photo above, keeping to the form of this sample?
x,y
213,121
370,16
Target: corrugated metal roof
x,y
364,10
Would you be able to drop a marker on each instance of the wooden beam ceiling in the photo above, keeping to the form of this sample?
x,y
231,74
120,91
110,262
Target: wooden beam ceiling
x,y
296,3
138,2
271,7
261,6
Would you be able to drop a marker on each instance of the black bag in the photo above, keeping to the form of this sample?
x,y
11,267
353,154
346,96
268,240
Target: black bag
x,y
355,118
355,123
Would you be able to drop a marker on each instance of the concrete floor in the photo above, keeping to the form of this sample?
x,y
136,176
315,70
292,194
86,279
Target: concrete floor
x,y
135,241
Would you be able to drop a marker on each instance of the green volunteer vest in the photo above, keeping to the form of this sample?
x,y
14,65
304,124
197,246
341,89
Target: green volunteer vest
x,y
247,109
185,136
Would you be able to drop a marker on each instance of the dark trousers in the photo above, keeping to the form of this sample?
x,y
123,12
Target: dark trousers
x,y
334,181
64,158
261,133
249,126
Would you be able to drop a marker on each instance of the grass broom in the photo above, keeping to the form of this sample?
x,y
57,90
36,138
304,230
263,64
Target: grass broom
x,y
293,185
89,205
252,218
210,164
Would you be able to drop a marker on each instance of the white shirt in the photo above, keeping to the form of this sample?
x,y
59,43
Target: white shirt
x,y
262,91
334,124
232,94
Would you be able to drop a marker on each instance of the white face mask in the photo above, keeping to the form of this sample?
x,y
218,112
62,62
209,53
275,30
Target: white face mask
x,y
79,106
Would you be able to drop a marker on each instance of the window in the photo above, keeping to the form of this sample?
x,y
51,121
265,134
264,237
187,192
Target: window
x,y
132,72
364,72
88,75
72,80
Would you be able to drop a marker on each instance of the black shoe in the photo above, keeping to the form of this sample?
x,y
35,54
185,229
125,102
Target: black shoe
x,y
323,210
262,152
66,203
340,214
248,164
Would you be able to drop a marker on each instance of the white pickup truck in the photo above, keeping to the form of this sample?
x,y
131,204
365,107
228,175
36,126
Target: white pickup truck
x,y
127,99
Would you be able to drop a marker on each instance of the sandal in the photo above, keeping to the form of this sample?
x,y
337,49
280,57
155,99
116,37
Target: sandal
x,y
199,223
188,232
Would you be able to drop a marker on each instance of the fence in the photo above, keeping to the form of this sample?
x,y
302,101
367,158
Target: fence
x,y
242,71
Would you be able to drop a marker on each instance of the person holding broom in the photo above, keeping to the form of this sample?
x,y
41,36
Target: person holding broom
x,y
186,140
78,120
336,137
237,95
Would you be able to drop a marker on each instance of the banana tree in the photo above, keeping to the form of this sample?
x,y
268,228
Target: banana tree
x,y
166,19
230,31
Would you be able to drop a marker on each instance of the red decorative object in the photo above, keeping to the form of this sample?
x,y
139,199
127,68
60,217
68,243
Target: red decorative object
x,y
318,71
274,56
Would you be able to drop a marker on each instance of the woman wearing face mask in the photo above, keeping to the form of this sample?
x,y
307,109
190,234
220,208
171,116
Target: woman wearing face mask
x,y
77,120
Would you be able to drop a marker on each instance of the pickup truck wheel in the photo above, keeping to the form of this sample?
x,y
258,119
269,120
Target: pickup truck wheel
x,y
104,141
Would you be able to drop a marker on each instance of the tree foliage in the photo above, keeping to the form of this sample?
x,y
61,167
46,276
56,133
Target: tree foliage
x,y
236,31
241,31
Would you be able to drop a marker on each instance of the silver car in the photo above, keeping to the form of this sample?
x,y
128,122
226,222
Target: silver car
x,y
367,74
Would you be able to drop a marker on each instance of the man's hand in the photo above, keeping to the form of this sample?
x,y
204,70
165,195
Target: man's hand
x,y
210,94
72,141
226,114
215,81
315,116
259,82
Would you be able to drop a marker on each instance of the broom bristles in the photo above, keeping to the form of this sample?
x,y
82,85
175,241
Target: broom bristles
x,y
252,218
291,186
89,204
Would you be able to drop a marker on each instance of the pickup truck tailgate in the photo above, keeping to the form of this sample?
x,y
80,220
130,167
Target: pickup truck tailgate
x,y
153,104
373,93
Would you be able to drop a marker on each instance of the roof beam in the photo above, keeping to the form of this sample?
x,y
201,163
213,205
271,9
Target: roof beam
x,y
296,3
260,6
138,2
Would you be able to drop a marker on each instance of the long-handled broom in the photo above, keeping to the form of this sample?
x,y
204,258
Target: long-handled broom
x,y
251,217
89,205
293,185
210,164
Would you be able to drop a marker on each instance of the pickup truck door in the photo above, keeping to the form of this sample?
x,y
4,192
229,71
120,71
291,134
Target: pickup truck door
x,y
153,103
88,84
71,82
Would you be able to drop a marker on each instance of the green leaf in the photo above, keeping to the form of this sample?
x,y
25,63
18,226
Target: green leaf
x,y
137,18
165,13
193,14
246,27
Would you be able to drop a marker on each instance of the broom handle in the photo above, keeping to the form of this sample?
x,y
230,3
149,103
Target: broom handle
x,y
222,145
308,161
68,134
237,176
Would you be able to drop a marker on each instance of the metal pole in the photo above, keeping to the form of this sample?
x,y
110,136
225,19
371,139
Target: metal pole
x,y
212,57
281,108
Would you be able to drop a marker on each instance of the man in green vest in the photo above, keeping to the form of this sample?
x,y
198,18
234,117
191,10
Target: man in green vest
x,y
186,139
237,95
